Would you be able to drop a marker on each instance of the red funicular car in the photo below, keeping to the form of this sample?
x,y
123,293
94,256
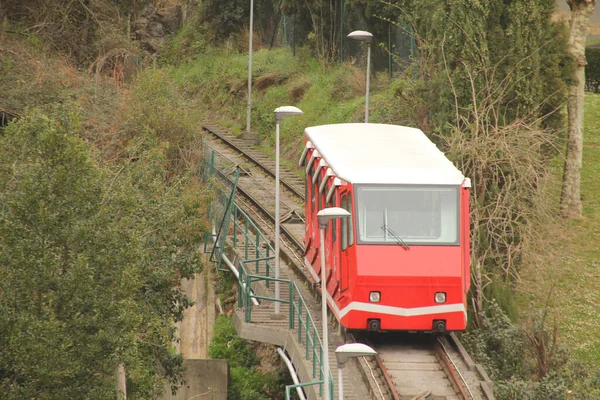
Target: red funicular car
x,y
401,260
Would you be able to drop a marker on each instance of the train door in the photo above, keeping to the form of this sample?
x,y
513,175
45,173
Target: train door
x,y
335,243
309,210
312,208
346,238
318,204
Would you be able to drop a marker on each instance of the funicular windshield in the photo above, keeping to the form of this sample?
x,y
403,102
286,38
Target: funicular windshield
x,y
425,215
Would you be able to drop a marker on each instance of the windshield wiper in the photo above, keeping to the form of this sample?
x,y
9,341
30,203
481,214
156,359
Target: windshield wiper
x,y
398,239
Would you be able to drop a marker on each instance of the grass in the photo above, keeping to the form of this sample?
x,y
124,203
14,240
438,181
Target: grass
x,y
580,285
325,93
574,281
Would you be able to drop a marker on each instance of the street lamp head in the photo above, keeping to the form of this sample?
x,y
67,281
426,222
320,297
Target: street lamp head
x,y
286,111
363,36
327,214
349,350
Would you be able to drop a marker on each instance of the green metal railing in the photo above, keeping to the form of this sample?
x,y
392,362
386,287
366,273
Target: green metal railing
x,y
255,240
299,317
256,268
253,271
289,388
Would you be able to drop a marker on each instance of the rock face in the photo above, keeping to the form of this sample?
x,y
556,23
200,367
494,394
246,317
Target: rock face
x,y
155,23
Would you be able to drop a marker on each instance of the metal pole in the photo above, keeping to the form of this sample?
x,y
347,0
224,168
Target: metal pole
x,y
342,31
390,51
277,305
324,317
341,382
249,108
368,78
121,383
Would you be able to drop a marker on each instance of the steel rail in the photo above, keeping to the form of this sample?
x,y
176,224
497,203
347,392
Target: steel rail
x,y
458,380
380,364
387,378
250,157
256,203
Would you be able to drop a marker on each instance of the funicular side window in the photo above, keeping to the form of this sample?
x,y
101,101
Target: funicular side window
x,y
350,227
306,187
312,193
344,222
316,190
334,222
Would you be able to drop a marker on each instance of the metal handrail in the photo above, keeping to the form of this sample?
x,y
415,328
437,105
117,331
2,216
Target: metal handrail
x,y
289,388
299,317
246,228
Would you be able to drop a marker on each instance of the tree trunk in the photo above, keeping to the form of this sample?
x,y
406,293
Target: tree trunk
x,y
570,199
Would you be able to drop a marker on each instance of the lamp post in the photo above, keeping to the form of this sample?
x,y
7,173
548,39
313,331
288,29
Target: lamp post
x,y
346,351
324,216
366,37
249,106
280,113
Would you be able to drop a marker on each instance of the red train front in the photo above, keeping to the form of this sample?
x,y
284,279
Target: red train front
x,y
401,260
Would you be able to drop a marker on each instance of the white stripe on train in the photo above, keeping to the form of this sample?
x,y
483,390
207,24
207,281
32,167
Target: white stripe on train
x,y
389,310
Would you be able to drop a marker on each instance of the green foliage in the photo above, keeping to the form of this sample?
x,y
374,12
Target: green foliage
x,y
254,385
80,30
226,344
512,51
551,387
228,22
592,69
528,361
224,19
497,344
575,381
245,380
90,263
156,116
187,44
68,272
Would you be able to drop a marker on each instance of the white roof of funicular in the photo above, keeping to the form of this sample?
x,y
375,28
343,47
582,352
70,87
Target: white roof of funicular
x,y
379,153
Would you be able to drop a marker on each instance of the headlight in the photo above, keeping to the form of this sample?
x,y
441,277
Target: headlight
x,y
440,297
374,297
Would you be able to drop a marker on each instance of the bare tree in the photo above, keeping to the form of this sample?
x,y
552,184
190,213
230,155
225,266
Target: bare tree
x,y
570,199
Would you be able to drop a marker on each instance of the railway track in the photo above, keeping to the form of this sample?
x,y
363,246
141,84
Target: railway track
x,y
408,366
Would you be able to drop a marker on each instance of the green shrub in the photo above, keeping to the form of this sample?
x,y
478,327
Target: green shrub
x,y
246,381
498,345
551,387
592,69
226,344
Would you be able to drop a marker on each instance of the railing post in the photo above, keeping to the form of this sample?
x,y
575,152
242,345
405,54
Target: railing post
x,y
246,235
256,247
299,325
248,298
308,340
241,285
322,376
267,264
212,164
235,218
292,305
314,355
